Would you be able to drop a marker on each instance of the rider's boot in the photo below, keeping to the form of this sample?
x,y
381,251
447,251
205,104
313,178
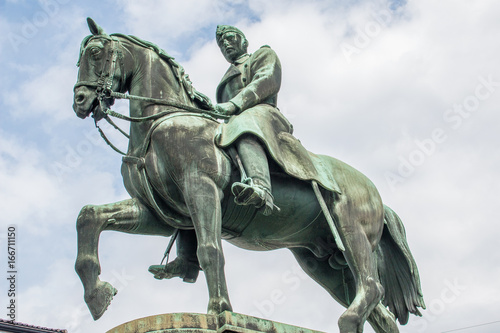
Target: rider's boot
x,y
256,189
186,265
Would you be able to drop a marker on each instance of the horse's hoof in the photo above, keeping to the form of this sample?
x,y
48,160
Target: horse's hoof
x,y
100,298
217,306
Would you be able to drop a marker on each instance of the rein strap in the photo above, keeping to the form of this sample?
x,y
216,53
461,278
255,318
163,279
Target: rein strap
x,y
166,102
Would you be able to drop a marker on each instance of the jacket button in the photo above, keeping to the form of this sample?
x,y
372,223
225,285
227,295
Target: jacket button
x,y
244,79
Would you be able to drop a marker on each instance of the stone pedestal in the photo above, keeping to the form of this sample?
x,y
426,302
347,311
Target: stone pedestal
x,y
226,322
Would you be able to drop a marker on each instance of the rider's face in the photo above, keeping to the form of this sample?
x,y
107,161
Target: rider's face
x,y
232,46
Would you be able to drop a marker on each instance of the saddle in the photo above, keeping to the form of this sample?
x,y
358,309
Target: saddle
x,y
270,126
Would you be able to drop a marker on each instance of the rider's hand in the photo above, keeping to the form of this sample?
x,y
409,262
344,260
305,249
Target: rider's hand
x,y
226,109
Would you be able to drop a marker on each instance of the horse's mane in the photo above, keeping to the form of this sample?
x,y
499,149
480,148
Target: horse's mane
x,y
200,99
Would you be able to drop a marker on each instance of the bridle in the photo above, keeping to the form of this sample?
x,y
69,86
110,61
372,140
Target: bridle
x,y
104,83
103,88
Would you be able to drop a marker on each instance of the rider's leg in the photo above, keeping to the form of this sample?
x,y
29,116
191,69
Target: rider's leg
x,y
186,264
256,192
187,246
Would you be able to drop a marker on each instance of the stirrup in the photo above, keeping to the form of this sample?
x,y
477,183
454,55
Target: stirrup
x,y
253,195
185,269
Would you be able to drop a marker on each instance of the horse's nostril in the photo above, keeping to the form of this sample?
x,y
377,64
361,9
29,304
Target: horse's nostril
x,y
79,98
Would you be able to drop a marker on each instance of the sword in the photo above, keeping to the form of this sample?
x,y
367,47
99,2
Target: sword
x,y
328,216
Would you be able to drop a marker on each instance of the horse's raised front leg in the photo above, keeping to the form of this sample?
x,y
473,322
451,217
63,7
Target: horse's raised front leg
x,y
203,198
128,216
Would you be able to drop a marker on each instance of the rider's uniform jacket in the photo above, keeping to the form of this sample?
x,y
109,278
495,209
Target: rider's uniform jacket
x,y
251,80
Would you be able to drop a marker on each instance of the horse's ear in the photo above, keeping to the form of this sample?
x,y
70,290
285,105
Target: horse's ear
x,y
95,29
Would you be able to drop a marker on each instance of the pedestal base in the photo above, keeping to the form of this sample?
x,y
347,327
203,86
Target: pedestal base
x,y
226,322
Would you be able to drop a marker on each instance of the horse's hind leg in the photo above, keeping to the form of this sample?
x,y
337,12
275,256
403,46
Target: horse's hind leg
x,y
340,284
337,282
128,216
382,320
361,225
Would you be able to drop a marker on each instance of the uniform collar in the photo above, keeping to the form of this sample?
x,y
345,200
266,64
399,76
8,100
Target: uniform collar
x,y
241,59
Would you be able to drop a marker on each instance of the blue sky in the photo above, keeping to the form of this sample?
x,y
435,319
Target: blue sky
x,y
405,91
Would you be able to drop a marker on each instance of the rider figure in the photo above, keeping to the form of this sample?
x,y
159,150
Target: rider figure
x,y
248,89
248,92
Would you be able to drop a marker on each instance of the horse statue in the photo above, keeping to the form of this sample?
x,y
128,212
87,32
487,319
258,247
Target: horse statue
x,y
180,179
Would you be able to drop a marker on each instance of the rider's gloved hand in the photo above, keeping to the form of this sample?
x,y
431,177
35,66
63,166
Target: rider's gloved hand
x,y
226,109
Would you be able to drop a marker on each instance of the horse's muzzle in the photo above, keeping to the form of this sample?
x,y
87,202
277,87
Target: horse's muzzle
x,y
84,101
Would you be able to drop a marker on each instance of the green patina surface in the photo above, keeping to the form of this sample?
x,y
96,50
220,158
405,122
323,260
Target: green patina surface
x,y
226,322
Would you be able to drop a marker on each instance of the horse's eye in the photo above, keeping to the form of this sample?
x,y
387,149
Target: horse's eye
x,y
95,51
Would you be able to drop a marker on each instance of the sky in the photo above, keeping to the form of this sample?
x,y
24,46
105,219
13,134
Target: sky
x,y
407,92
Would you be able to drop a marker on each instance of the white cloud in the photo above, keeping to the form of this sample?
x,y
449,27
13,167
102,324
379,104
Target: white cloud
x,y
37,198
43,85
4,42
26,190
167,22
48,94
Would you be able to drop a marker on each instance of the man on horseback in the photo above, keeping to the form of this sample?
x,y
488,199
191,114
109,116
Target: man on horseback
x,y
248,92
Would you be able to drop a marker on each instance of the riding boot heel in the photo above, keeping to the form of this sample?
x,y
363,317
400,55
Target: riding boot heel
x,y
192,271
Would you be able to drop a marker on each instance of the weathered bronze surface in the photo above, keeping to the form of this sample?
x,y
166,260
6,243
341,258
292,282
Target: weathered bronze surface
x,y
180,177
226,322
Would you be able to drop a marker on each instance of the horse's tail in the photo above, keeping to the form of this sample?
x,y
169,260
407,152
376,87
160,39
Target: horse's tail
x,y
398,271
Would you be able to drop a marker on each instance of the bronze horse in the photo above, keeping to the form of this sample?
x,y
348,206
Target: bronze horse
x,y
178,178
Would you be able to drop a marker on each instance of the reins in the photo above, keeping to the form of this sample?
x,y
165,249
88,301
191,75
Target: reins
x,y
159,101
108,112
103,88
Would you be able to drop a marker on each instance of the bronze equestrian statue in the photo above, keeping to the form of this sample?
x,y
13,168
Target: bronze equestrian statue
x,y
180,167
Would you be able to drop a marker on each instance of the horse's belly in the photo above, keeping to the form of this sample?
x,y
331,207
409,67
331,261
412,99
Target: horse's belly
x,y
299,221
132,181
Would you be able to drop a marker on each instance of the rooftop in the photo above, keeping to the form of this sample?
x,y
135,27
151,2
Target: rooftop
x,y
15,327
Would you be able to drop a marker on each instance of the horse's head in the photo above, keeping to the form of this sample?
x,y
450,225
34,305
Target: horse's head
x,y
99,72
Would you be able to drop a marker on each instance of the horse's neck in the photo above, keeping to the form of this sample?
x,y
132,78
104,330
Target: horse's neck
x,y
154,77
150,76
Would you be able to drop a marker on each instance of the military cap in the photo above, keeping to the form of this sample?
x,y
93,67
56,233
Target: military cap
x,y
222,29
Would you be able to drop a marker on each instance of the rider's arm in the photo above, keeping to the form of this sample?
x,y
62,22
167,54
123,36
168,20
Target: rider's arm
x,y
264,76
